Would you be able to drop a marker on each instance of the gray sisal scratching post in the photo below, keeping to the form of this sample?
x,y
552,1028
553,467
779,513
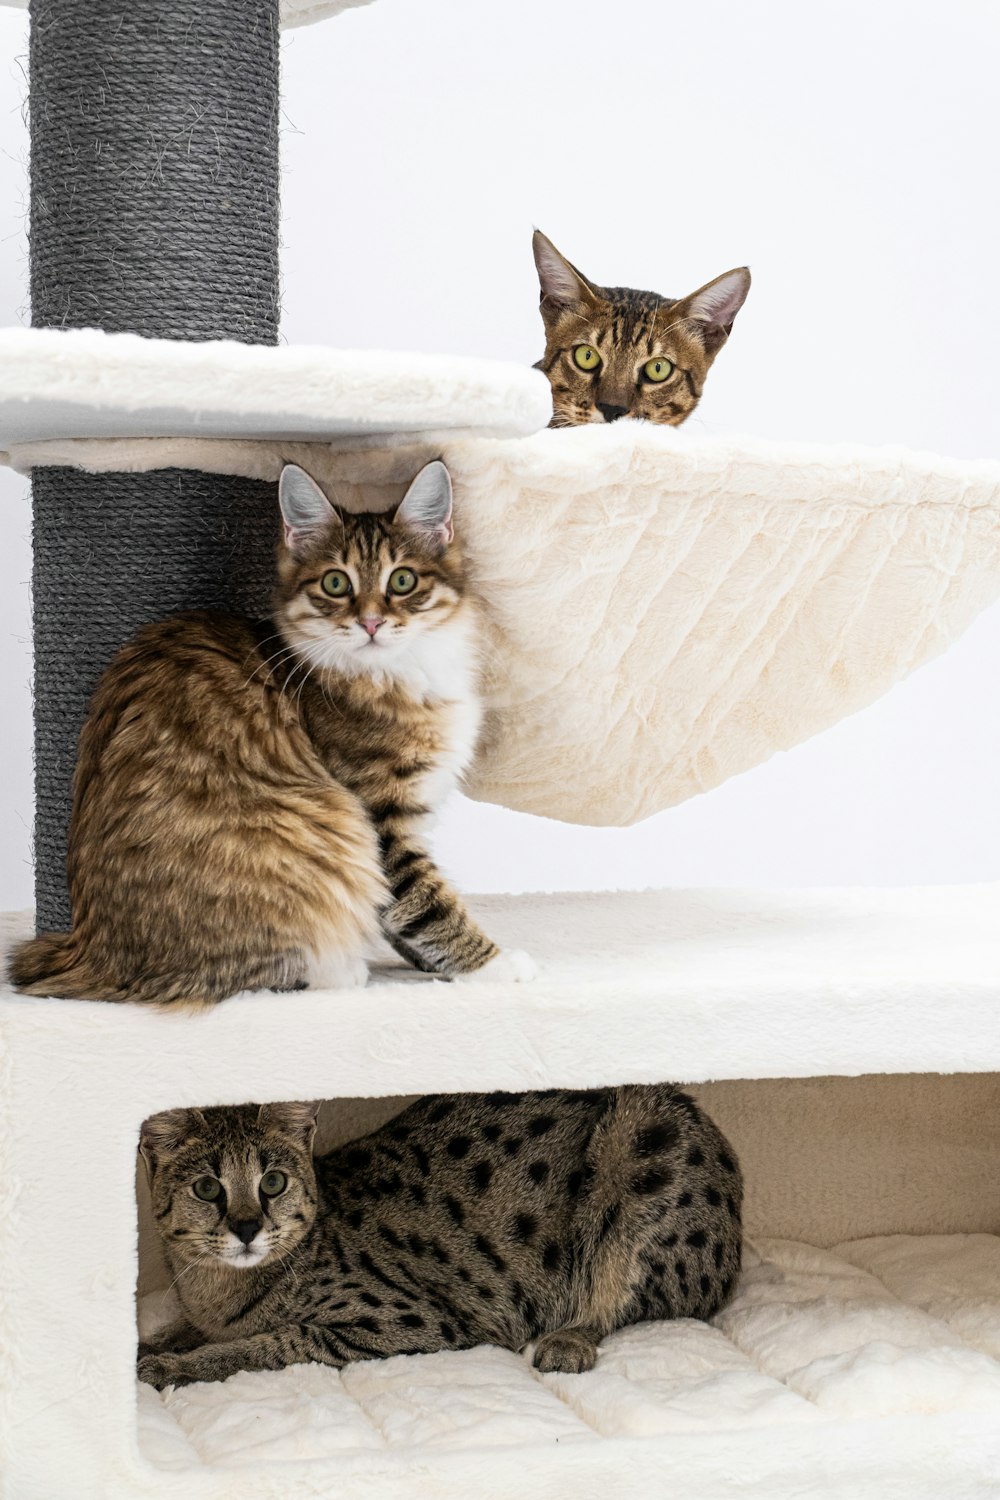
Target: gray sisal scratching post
x,y
154,210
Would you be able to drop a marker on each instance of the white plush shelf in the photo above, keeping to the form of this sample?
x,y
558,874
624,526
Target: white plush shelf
x,y
884,1353
83,383
634,987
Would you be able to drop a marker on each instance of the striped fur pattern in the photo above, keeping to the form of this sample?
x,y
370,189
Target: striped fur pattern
x,y
252,800
651,354
551,1218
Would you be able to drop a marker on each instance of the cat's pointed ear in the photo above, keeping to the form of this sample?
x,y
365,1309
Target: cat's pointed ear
x,y
426,506
561,283
305,510
165,1133
713,308
297,1119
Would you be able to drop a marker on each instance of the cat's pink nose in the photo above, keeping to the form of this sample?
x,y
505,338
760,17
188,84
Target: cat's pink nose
x,y
371,623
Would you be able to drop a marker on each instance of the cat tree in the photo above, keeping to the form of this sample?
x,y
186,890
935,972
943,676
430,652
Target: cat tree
x,y
783,586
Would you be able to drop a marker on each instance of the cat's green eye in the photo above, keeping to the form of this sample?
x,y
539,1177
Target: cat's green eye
x,y
335,583
208,1189
273,1183
402,581
657,370
586,357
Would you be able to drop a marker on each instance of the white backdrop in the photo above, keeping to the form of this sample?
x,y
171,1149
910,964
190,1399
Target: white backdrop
x,y
845,150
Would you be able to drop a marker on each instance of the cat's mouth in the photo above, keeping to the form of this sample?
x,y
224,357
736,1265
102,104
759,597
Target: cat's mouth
x,y
380,643
245,1257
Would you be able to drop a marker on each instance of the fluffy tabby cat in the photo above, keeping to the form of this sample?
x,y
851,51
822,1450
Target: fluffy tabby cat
x,y
251,800
469,1219
614,352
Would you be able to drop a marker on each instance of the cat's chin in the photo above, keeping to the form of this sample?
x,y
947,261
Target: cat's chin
x,y
382,663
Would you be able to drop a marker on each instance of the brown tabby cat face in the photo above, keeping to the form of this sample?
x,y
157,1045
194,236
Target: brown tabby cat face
x,y
369,593
234,1186
613,352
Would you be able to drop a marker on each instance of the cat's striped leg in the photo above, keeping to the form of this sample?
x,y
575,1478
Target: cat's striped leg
x,y
260,1351
426,920
336,1343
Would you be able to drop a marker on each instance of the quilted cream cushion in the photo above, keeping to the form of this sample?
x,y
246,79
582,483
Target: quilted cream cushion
x,y
814,1338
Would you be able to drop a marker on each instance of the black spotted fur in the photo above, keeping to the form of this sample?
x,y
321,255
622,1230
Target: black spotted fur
x,y
497,1218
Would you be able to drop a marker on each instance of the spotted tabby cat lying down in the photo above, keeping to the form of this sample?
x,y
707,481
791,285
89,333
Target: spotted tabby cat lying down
x,y
252,798
615,352
552,1217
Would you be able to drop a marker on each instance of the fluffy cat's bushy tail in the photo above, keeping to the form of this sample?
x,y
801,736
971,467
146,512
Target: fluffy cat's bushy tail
x,y
53,965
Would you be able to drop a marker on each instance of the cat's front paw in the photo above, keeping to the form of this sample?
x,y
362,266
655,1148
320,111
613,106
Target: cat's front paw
x,y
509,966
162,1370
568,1350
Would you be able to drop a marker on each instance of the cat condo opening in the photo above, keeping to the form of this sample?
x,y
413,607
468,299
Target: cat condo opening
x,y
878,1303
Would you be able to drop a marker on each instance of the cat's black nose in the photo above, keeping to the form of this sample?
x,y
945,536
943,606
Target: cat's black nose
x,y
611,413
246,1229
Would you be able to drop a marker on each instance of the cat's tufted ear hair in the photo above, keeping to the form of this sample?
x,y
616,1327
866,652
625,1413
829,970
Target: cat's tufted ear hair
x,y
561,283
714,307
297,1119
426,506
305,510
165,1133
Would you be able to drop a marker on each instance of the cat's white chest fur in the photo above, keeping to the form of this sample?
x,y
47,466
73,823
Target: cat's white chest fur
x,y
442,669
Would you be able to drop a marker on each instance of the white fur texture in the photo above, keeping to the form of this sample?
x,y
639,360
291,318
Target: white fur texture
x,y
666,610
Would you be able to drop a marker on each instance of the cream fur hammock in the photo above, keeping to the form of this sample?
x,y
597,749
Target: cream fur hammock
x,y
665,610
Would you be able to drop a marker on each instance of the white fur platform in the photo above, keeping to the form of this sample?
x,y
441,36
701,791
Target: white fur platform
x,y
888,1349
664,609
632,987
83,383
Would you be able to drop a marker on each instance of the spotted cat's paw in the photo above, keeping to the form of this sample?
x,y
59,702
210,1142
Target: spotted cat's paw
x,y
162,1370
509,966
567,1350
